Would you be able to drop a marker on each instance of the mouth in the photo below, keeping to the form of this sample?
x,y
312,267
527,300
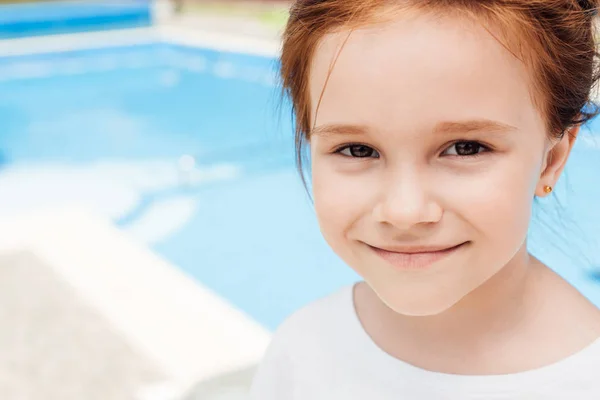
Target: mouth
x,y
416,257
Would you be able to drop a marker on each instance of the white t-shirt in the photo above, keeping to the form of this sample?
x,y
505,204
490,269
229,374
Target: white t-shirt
x,y
323,353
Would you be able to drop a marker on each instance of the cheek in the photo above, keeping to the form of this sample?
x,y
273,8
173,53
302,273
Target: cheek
x,y
498,202
340,200
328,198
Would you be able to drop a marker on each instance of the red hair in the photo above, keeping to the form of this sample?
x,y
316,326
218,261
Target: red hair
x,y
554,38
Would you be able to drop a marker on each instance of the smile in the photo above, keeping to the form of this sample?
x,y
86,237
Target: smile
x,y
415,258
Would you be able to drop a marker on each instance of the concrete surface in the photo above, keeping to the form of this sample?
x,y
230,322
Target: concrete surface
x,y
54,346
87,312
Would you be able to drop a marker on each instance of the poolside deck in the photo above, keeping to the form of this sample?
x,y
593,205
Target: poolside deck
x,y
85,305
53,345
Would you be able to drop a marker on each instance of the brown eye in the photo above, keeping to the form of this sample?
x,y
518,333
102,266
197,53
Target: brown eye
x,y
359,151
465,149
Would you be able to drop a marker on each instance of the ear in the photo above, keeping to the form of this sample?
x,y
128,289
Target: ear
x,y
555,159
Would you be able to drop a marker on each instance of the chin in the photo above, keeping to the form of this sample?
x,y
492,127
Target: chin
x,y
419,310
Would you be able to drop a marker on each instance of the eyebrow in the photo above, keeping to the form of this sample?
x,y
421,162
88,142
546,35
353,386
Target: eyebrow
x,y
472,126
446,127
339,129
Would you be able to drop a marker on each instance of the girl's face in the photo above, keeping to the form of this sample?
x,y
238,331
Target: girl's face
x,y
426,138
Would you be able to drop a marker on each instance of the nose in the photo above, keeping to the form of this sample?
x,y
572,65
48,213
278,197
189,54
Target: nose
x,y
406,201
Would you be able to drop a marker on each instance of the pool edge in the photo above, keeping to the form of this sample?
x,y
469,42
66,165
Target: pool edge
x,y
193,334
161,34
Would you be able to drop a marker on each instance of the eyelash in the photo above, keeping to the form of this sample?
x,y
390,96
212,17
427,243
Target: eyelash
x,y
483,149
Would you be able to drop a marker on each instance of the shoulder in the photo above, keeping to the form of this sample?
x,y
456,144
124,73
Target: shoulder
x,y
564,320
318,320
299,344
566,306
313,326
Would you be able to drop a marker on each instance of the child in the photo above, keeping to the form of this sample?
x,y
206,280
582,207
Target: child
x,y
432,127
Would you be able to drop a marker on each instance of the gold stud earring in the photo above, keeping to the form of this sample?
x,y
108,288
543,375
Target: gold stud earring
x,y
548,189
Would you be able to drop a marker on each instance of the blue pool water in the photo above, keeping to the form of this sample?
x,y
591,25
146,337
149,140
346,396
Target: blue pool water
x,y
108,129
29,19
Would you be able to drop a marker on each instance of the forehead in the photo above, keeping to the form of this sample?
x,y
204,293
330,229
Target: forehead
x,y
416,71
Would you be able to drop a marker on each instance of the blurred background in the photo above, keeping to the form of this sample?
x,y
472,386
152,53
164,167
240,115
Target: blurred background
x,y
153,229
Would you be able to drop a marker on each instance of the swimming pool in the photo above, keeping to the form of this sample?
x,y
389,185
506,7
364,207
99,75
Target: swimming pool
x,y
185,149
30,19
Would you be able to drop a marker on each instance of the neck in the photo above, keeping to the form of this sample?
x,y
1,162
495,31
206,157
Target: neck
x,y
509,324
486,315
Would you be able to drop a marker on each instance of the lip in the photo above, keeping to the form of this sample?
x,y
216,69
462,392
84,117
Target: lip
x,y
415,257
